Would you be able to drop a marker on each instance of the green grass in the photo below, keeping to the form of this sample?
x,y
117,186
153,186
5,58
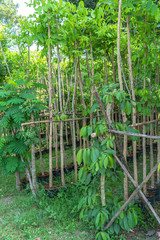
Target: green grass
x,y
21,217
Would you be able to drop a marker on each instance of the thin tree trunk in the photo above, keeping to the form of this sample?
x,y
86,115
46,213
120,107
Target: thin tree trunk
x,y
133,98
56,143
30,180
121,87
40,153
103,199
158,160
61,123
50,109
92,82
151,150
5,60
73,122
33,160
18,182
105,67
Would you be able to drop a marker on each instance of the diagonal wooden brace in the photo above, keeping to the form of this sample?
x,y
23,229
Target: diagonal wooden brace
x,y
131,197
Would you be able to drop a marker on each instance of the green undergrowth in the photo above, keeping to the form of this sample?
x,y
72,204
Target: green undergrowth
x,y
21,217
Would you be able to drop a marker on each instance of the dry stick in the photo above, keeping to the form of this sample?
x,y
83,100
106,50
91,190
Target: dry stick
x,y
30,181
134,134
67,120
133,194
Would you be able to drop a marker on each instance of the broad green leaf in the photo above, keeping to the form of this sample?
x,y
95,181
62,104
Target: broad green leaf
x,y
106,162
83,132
128,108
116,227
135,217
97,219
85,156
94,154
130,219
79,156
97,166
125,220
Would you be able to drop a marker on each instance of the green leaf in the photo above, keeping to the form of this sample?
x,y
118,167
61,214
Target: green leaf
x,y
94,154
153,9
135,217
11,164
110,151
83,132
89,131
148,6
85,156
94,107
79,156
106,162
116,227
88,179
97,219
104,141
125,220
130,219
158,166
97,166
128,108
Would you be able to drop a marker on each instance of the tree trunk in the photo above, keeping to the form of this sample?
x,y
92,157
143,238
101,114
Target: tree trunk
x,y
73,122
50,109
30,180
92,87
121,87
33,160
133,98
18,183
103,198
5,61
61,123
151,150
40,153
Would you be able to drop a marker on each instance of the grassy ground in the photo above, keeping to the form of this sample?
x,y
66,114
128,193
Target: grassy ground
x,y
21,217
